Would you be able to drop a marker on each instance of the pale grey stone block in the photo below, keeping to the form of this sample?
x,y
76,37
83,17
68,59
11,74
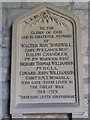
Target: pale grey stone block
x,y
0,62
0,45
29,4
5,110
86,68
13,14
5,98
0,42
0,116
5,62
11,5
6,37
4,17
1,102
85,80
6,52
83,16
0,17
85,60
0,77
5,74
0,92
0,109
5,90
86,51
63,5
84,38
0,5
86,89
80,5
60,4
85,74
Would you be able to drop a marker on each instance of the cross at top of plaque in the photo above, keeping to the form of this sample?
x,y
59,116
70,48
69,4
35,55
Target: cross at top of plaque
x,y
46,72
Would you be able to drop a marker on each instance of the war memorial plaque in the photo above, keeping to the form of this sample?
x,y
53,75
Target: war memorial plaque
x,y
46,63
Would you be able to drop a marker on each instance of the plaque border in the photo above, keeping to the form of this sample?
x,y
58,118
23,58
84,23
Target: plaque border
x,y
16,111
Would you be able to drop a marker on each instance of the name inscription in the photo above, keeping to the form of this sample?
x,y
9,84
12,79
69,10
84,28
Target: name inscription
x,y
46,64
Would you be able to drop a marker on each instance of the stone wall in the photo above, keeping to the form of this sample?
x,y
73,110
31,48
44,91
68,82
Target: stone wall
x,y
10,11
